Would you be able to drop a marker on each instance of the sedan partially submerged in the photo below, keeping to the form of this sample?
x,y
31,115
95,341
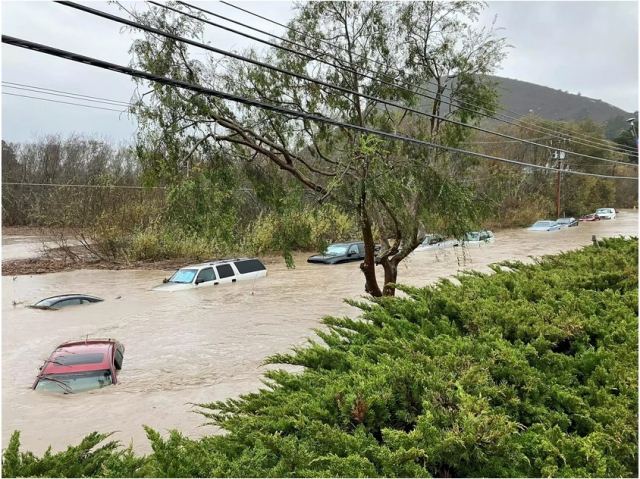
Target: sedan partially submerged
x,y
213,273
65,300
544,225
591,217
567,222
478,238
434,241
77,366
339,253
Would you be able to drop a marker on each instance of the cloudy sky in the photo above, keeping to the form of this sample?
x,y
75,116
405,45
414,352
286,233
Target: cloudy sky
x,y
586,47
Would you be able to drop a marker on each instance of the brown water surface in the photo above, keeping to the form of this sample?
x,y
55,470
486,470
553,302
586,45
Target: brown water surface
x,y
199,345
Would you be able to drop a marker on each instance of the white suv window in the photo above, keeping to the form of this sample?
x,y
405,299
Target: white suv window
x,y
205,274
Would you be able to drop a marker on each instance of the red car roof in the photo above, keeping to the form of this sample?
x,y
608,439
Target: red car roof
x,y
93,355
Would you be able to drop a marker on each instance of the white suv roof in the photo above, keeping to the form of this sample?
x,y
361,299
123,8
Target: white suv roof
x,y
216,262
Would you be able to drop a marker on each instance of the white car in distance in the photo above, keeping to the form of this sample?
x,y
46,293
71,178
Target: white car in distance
x,y
213,273
606,213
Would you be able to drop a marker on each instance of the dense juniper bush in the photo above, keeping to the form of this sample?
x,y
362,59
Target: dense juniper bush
x,y
529,371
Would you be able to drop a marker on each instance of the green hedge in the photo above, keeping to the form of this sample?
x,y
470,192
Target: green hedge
x,y
531,371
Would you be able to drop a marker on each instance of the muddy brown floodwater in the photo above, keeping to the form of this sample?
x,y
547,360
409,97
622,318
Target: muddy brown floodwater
x,y
199,345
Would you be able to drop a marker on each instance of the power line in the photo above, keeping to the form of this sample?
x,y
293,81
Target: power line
x,y
594,141
266,106
473,142
79,96
74,185
347,69
64,102
283,71
61,95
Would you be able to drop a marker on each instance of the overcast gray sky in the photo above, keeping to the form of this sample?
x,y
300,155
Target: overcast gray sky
x,y
586,47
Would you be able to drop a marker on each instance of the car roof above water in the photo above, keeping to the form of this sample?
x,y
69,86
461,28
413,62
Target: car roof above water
x,y
54,299
92,355
218,262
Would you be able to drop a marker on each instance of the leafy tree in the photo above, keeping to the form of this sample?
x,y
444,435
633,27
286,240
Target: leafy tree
x,y
395,190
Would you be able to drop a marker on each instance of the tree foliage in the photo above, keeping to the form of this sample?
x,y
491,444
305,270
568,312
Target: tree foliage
x,y
376,52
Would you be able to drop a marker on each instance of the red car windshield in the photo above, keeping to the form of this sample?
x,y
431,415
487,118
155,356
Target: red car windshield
x,y
74,382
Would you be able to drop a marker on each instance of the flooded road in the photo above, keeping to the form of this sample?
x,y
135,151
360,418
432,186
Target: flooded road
x,y
199,345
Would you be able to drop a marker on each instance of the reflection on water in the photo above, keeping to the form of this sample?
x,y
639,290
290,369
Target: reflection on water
x,y
199,345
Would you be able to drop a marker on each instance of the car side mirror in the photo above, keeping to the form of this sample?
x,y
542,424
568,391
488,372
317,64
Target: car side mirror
x,y
351,253
165,280
199,280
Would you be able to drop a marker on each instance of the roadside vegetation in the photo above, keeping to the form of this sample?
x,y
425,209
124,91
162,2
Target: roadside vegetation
x,y
530,371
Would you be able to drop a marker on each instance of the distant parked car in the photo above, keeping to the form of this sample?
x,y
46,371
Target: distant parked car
x,y
477,238
213,273
544,225
339,253
606,213
78,366
591,217
64,300
567,222
434,241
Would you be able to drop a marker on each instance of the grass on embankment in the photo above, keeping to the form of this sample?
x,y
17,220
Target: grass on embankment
x,y
527,372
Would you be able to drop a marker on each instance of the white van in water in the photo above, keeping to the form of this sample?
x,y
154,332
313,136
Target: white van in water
x,y
213,273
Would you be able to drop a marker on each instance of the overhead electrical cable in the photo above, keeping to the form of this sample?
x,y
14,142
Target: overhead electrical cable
x,y
10,40
75,185
283,71
64,102
66,95
596,142
22,86
566,137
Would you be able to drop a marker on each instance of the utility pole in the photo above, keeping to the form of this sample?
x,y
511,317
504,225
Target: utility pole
x,y
558,155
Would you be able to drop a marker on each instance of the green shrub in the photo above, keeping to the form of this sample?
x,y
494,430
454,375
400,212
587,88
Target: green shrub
x,y
531,371
300,229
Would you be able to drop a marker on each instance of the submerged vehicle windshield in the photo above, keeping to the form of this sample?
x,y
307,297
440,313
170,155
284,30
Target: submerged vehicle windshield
x,y
603,210
183,276
473,236
543,223
74,382
336,250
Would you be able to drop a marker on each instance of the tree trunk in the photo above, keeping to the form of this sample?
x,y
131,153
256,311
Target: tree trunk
x,y
368,266
390,276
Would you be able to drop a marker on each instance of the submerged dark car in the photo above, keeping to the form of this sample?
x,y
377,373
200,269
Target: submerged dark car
x,y
340,253
64,300
567,222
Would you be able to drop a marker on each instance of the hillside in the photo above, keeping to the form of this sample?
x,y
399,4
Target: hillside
x,y
521,97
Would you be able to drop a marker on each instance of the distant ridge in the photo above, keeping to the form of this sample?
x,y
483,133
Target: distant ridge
x,y
521,97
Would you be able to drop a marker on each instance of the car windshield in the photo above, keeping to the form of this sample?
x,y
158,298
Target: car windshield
x,y
565,220
543,223
473,236
74,382
183,276
336,250
603,210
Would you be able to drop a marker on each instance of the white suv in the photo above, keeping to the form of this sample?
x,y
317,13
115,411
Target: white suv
x,y
606,213
213,273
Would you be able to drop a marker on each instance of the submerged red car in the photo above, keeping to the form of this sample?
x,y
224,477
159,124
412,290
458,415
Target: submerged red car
x,y
591,217
77,366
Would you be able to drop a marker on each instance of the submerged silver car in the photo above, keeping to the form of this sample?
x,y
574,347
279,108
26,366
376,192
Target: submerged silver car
x,y
544,225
